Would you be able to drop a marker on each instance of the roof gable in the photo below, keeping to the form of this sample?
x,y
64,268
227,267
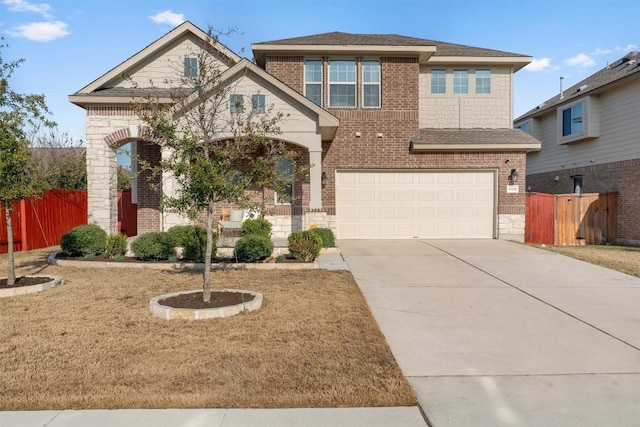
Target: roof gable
x,y
184,30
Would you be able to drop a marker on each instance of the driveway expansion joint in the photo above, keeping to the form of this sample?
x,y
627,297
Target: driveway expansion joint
x,y
535,297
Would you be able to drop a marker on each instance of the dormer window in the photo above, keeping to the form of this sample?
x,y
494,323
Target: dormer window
x,y
190,67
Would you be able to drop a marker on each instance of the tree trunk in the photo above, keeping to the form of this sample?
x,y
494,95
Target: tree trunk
x,y
206,286
11,273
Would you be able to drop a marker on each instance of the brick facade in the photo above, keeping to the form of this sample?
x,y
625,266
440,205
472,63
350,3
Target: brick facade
x,y
622,177
385,133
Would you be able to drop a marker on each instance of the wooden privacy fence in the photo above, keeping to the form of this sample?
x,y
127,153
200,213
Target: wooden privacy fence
x,y
571,219
39,222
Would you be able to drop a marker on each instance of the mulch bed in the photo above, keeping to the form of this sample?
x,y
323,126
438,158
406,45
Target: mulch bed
x,y
218,299
24,281
227,260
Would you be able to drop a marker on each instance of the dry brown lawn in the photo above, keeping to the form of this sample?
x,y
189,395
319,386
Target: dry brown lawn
x,y
91,343
622,258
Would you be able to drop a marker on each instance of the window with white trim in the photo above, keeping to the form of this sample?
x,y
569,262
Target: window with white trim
x,y
483,81
438,81
460,81
258,105
236,103
370,83
342,83
190,67
285,169
525,127
313,80
572,120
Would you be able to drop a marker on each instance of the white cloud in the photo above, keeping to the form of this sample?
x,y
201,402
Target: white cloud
x,y
168,17
539,65
599,51
41,31
24,6
580,60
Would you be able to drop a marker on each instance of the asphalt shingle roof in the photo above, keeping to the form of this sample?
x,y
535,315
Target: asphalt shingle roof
x,y
474,136
339,38
625,67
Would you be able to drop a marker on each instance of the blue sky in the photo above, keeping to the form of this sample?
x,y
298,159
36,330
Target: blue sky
x,y
67,44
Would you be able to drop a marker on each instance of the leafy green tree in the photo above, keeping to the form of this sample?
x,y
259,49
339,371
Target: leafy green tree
x,y
17,113
214,155
60,159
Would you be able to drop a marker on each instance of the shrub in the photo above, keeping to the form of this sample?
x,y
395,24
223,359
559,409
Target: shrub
x,y
88,239
304,245
193,240
327,236
258,226
115,245
153,246
253,247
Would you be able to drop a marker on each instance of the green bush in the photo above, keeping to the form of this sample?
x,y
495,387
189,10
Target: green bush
x,y
253,247
193,240
327,236
115,245
258,226
304,245
153,246
88,239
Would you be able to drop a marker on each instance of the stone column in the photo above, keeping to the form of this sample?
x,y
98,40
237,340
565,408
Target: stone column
x,y
102,184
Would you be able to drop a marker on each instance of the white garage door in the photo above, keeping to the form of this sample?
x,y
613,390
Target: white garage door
x,y
415,204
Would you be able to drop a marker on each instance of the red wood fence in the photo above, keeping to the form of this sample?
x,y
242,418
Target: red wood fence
x,y
127,214
39,222
539,218
571,219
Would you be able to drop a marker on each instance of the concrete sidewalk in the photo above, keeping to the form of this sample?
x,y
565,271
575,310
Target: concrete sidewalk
x,y
322,417
496,333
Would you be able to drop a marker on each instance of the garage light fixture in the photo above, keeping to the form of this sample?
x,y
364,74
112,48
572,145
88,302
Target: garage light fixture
x,y
324,179
513,175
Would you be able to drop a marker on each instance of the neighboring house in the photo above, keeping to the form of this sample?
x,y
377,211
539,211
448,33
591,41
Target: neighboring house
x,y
404,137
590,137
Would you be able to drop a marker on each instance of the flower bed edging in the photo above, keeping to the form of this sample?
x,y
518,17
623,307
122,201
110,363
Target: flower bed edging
x,y
170,313
32,289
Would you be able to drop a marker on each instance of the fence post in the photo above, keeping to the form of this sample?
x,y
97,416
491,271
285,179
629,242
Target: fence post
x,y
23,224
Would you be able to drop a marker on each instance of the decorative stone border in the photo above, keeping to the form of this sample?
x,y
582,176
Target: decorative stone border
x,y
170,313
183,266
32,289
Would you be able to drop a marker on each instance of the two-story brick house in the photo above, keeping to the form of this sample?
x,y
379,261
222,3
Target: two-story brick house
x,y
404,137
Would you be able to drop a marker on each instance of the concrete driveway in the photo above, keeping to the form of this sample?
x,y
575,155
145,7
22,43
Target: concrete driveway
x,y
496,333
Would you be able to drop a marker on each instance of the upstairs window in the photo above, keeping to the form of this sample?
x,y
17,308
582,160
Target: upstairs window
x,y
285,170
313,80
236,103
370,83
342,83
258,104
438,81
190,67
483,81
460,81
572,120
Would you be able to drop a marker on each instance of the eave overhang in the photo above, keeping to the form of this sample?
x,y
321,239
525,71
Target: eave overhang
x,y
261,51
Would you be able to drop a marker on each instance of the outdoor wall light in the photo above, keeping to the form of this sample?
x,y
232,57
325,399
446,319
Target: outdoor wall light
x,y
513,175
324,179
